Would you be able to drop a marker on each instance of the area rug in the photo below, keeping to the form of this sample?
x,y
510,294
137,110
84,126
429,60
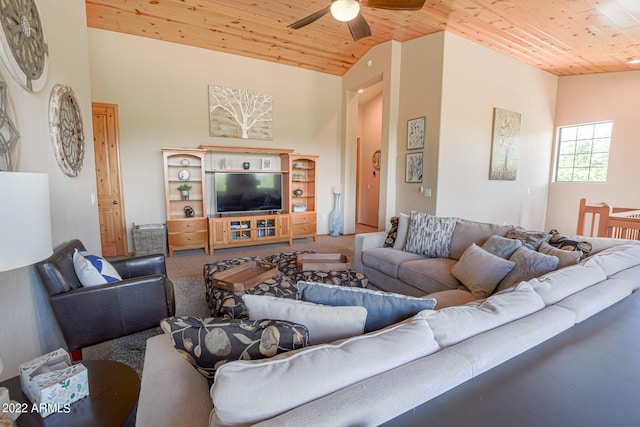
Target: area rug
x,y
130,350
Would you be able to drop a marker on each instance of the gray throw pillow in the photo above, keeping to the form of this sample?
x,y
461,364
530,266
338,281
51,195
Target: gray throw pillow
x,y
566,257
430,235
501,246
383,308
529,264
480,271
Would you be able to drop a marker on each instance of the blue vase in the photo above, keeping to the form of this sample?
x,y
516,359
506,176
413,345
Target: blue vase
x,y
335,218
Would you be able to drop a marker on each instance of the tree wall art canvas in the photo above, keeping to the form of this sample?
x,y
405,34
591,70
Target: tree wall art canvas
x,y
504,147
240,113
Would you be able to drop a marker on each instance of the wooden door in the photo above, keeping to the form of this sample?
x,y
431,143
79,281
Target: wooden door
x,y
106,145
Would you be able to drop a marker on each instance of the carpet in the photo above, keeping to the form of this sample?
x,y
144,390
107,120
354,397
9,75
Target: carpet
x,y
190,301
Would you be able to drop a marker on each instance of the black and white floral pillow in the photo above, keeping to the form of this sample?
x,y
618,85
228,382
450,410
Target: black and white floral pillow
x,y
209,343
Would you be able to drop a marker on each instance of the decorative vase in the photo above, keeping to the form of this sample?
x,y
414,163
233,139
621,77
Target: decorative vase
x,y
185,194
335,218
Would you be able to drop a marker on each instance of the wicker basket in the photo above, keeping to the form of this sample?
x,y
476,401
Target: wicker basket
x,y
149,239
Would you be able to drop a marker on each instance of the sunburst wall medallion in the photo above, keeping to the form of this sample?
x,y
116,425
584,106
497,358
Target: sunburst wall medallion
x,y
65,129
22,43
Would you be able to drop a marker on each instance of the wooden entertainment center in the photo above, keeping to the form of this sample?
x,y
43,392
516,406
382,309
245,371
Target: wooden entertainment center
x,y
211,230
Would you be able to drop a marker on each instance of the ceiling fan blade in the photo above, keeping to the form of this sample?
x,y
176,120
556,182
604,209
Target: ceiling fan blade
x,y
359,27
309,19
394,4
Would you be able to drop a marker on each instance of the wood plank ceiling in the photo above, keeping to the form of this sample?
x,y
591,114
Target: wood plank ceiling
x,y
563,37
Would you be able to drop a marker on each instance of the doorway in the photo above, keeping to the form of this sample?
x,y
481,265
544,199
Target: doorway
x,y
368,157
106,146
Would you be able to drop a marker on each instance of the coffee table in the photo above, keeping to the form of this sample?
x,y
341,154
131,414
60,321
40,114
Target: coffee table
x,y
223,303
112,400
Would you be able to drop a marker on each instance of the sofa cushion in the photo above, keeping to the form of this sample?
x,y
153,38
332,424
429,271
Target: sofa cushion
x,y
325,323
557,285
93,270
452,297
565,257
242,390
480,271
529,264
403,230
430,235
387,260
618,258
596,298
383,308
467,232
209,343
501,246
452,325
429,274
530,239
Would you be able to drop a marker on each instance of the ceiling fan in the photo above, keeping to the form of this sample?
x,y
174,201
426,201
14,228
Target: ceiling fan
x,y
349,11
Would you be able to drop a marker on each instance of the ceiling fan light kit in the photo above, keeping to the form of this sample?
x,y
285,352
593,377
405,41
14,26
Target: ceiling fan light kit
x,y
345,10
349,11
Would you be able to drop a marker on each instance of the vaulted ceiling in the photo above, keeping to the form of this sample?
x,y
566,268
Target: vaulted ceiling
x,y
563,37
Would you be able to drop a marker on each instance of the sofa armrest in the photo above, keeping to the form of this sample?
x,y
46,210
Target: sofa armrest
x,y
366,241
90,315
173,393
146,265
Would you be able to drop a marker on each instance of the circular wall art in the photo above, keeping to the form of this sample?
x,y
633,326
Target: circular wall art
x,y
22,45
65,129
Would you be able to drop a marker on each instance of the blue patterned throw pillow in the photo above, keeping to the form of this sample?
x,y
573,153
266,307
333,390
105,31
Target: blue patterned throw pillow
x,y
430,235
93,270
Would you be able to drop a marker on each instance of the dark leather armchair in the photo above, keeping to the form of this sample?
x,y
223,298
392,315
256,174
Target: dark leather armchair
x,y
90,315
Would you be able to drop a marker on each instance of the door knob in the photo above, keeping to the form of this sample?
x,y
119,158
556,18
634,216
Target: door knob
x,y
115,202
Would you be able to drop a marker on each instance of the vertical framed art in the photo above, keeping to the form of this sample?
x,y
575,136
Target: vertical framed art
x,y
504,145
416,130
414,167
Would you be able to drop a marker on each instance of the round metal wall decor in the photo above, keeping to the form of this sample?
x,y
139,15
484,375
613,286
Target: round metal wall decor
x,y
65,129
22,45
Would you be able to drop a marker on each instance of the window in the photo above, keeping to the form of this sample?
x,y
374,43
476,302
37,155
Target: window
x,y
583,152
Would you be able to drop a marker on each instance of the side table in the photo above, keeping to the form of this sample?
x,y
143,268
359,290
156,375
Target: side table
x,y
113,398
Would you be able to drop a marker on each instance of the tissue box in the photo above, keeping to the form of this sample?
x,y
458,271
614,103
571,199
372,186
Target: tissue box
x,y
53,383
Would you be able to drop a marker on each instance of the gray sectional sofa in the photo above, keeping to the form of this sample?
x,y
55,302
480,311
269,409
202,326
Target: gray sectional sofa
x,y
369,379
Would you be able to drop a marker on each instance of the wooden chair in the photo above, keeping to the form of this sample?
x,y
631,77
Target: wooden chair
x,y
595,216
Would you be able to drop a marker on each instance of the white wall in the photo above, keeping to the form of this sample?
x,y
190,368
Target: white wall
x,y
420,95
475,80
370,130
161,91
594,98
28,330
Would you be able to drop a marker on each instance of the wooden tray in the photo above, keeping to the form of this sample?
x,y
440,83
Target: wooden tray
x,y
322,262
244,276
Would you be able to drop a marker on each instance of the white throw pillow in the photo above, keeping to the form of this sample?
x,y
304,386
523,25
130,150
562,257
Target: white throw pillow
x,y
93,270
324,323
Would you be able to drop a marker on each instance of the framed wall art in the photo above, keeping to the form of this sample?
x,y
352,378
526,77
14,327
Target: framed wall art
x,y
504,145
416,129
414,167
240,113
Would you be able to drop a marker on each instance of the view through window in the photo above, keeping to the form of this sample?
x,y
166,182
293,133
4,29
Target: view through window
x,y
583,152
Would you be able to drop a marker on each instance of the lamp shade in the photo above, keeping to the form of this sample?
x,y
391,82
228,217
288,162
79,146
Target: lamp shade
x,y
345,10
25,219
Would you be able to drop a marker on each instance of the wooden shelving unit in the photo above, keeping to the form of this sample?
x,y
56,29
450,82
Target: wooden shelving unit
x,y
301,190
185,166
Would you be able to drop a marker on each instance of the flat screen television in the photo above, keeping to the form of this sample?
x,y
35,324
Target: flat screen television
x,y
248,192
